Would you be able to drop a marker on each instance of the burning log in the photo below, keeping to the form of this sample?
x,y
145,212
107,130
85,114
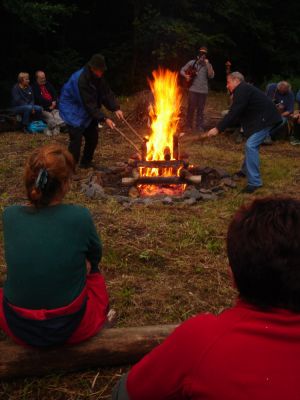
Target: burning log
x,y
176,146
187,176
167,153
144,148
160,164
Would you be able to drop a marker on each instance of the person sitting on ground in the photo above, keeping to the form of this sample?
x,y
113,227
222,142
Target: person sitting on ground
x,y
282,96
23,100
251,350
295,139
45,95
54,292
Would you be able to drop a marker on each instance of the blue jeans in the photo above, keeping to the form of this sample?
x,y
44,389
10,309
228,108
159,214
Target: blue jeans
x,y
26,112
250,166
196,104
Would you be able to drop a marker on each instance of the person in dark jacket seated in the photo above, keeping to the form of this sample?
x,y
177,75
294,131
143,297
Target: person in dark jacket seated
x,y
22,100
54,292
251,350
79,106
282,96
45,96
258,117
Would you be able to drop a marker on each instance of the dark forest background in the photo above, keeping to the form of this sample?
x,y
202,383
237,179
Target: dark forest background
x,y
260,38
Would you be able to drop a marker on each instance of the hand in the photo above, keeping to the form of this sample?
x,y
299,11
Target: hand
x,y
206,61
212,132
110,123
88,266
53,105
33,111
119,114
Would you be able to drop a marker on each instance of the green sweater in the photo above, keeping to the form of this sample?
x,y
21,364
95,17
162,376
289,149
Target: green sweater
x,y
46,252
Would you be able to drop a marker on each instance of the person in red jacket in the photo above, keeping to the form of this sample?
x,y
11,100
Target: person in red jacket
x,y
252,350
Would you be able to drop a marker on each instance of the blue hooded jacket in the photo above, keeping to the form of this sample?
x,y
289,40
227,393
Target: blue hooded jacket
x,y
71,108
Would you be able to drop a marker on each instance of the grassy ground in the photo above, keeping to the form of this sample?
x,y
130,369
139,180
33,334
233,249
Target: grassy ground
x,y
162,263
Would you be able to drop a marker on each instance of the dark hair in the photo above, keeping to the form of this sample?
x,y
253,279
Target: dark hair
x,y
263,245
97,61
47,170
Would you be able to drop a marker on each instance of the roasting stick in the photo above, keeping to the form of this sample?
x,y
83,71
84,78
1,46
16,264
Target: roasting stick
x,y
128,140
133,130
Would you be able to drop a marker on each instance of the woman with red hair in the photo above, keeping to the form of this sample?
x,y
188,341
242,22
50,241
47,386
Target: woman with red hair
x,y
54,292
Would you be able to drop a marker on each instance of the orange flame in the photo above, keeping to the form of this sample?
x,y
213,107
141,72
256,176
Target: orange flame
x,y
164,113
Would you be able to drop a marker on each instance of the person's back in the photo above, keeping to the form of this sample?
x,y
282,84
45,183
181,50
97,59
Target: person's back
x,y
252,350
52,244
54,292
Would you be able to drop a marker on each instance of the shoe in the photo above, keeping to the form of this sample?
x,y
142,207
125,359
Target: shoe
x,y
268,140
56,131
238,175
47,132
87,165
294,141
250,189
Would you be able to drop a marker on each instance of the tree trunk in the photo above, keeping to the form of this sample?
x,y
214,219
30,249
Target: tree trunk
x,y
111,347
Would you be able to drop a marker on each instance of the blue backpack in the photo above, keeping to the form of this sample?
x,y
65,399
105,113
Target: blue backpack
x,y
36,127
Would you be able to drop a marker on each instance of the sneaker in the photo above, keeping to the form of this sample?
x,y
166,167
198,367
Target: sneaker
x,y
48,132
294,141
238,175
56,131
250,189
268,140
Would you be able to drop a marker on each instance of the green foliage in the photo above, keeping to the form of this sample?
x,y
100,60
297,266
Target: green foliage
x,y
41,16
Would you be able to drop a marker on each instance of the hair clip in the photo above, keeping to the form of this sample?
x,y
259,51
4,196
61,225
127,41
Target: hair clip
x,y
42,179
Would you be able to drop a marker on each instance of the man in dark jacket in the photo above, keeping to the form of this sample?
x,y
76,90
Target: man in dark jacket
x,y
45,95
258,116
80,102
23,100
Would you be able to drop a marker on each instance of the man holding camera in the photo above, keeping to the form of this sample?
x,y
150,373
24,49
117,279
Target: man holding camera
x,y
196,73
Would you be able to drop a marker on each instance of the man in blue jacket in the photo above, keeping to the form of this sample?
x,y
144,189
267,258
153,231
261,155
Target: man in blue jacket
x,y
80,108
258,116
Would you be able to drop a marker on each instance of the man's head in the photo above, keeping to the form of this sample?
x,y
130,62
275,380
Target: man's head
x,y
283,87
97,65
233,80
40,77
263,245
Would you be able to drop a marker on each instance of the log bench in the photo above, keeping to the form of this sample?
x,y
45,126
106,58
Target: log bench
x,y
111,347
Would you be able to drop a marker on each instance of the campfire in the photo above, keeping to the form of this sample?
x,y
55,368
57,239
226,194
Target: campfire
x,y
161,169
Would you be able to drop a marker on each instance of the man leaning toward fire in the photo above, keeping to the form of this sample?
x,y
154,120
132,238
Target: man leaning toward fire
x,y
80,107
197,72
252,349
259,118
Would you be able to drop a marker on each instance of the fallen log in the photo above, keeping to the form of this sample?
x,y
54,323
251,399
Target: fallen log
x,y
111,347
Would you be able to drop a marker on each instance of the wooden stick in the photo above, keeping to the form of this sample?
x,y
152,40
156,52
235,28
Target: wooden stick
x,y
133,130
111,347
128,140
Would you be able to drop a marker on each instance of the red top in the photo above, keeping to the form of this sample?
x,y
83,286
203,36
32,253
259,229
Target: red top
x,y
241,354
45,93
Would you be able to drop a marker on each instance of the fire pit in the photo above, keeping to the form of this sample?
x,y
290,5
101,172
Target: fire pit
x,y
159,170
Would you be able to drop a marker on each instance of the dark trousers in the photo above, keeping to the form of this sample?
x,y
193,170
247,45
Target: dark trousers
x,y
196,104
90,135
26,112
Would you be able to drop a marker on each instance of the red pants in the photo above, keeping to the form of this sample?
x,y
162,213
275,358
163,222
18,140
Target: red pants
x,y
92,321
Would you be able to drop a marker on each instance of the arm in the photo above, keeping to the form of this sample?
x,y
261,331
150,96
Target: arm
x,y
17,98
161,374
94,252
210,70
184,68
